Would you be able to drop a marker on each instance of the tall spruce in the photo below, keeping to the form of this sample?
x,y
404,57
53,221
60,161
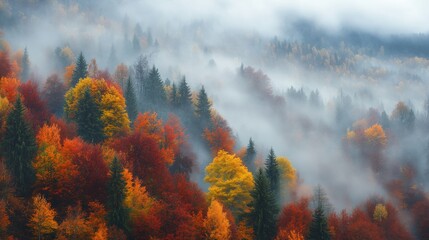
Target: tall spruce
x,y
19,149
273,173
185,96
174,97
250,156
25,65
263,207
319,225
118,214
141,72
203,109
80,71
156,95
130,99
88,118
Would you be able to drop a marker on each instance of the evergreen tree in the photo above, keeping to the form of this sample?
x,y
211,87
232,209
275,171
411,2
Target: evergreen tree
x,y
118,214
264,210
19,148
185,96
203,109
319,225
136,44
141,69
385,122
249,158
273,173
25,65
173,97
80,70
88,115
156,95
130,99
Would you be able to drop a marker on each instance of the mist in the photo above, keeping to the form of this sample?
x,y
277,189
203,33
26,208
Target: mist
x,y
208,41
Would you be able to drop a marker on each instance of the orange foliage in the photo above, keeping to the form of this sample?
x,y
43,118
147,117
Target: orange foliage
x,y
9,88
68,74
295,217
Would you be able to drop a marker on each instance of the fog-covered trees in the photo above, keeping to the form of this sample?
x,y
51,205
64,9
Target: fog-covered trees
x,y
80,71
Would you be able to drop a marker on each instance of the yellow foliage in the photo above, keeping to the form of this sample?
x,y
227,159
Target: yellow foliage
x,y
216,225
111,102
137,199
42,220
230,182
375,135
244,232
351,134
380,212
49,135
287,171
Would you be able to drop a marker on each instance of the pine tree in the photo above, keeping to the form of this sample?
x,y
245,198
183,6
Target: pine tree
x,y
173,97
185,96
156,95
141,70
249,158
118,215
273,173
88,115
80,70
203,109
319,225
264,210
130,99
19,149
25,65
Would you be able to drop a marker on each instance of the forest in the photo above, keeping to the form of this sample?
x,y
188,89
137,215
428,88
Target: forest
x,y
125,119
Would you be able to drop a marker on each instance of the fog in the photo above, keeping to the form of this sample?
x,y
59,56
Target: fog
x,y
209,40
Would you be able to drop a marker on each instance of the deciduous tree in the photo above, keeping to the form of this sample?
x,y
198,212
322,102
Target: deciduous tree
x,y
216,223
43,219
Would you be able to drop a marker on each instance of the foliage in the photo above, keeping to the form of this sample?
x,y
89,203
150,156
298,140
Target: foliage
x,y
230,182
380,213
118,214
42,221
216,224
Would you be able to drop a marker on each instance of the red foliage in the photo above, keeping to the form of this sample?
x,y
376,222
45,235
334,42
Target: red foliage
x,y
142,156
37,112
420,213
67,129
296,217
93,170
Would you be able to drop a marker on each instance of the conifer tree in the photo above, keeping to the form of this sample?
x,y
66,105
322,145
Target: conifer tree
x,y
319,225
19,149
80,71
88,115
273,173
25,65
203,109
118,214
185,96
249,158
264,210
156,95
173,97
130,99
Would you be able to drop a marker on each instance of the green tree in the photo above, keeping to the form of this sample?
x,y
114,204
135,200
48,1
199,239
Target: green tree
x,y
273,173
88,118
249,158
156,95
203,109
174,97
80,71
264,209
118,214
185,96
25,66
19,149
130,99
319,225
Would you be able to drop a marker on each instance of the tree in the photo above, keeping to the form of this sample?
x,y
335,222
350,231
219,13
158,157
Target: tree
x,y
216,224
121,75
117,214
19,148
88,118
155,92
141,69
380,212
53,94
4,219
203,109
319,225
249,158
25,66
131,101
174,98
80,70
36,113
43,219
74,225
184,96
264,209
273,173
230,182
295,217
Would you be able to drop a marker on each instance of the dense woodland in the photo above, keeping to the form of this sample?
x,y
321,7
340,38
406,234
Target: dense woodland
x,y
119,147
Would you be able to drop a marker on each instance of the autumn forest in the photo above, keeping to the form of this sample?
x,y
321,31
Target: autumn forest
x,y
124,119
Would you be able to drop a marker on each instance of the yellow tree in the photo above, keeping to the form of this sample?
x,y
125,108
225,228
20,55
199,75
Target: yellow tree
x,y
121,75
137,199
74,225
216,224
375,135
288,177
230,182
109,100
380,212
42,220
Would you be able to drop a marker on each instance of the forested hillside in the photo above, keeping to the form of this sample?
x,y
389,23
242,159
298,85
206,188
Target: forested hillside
x,y
124,119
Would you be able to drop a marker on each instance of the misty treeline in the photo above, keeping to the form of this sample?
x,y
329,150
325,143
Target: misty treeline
x,y
103,136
